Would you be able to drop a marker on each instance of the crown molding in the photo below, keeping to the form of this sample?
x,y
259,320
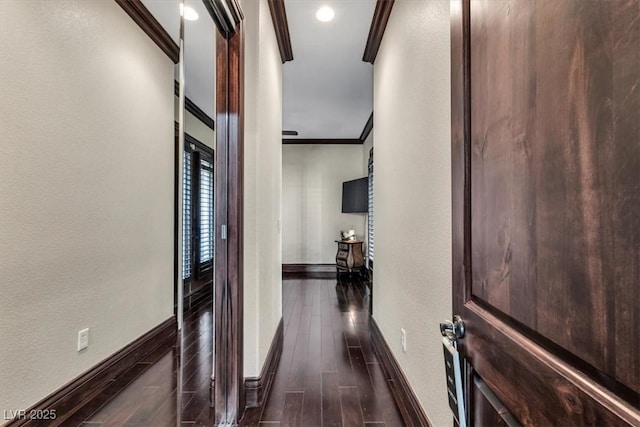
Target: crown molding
x,y
368,127
280,24
378,25
146,21
334,141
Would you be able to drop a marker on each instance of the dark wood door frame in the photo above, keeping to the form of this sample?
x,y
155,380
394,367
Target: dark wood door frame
x,y
548,375
227,383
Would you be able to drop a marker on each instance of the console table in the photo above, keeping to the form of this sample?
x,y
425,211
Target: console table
x,y
349,258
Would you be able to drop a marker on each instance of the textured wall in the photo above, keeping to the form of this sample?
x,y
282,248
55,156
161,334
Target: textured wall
x,y
86,187
263,185
366,147
194,127
312,180
412,280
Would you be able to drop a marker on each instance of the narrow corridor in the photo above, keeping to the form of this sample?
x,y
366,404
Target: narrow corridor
x,y
328,373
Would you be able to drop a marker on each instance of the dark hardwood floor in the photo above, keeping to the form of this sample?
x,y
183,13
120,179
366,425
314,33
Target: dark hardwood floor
x,y
328,373
148,393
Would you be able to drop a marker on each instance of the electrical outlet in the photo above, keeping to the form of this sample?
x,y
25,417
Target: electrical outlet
x,y
83,339
403,337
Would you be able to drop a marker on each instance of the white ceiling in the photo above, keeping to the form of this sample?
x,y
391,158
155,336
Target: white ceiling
x,y
328,89
199,51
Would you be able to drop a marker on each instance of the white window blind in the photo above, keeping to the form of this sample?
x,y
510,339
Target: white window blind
x,y
206,211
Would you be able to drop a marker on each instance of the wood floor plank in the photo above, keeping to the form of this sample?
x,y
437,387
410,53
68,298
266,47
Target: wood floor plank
x,y
299,361
312,408
343,361
115,397
331,407
351,410
371,409
385,399
194,408
167,414
151,399
364,337
275,403
292,414
328,350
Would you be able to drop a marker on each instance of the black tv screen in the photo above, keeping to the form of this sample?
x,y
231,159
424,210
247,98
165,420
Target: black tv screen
x,y
355,196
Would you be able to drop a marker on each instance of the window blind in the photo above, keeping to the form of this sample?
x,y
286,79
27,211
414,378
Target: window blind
x,y
370,209
206,211
186,216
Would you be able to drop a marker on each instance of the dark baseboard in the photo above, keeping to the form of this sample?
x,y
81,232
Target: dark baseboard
x,y
71,397
257,388
309,271
408,404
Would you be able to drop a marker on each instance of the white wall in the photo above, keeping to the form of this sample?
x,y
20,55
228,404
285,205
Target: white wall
x,y
412,279
366,147
262,185
312,200
86,188
194,127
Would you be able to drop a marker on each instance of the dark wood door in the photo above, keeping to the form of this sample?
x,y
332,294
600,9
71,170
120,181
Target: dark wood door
x,y
546,209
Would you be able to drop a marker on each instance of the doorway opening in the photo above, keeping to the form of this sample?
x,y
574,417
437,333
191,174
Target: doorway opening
x,y
197,218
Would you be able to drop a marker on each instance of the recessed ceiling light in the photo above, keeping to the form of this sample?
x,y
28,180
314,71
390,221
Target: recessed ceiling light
x,y
325,14
188,13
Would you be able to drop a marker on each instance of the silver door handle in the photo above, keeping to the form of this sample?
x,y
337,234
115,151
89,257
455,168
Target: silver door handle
x,y
453,330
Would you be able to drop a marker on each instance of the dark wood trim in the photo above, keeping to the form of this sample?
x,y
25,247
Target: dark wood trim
x,y
308,268
69,398
226,14
347,141
460,162
484,395
257,388
309,271
188,139
177,182
515,350
368,127
146,21
408,404
280,24
228,397
191,107
378,25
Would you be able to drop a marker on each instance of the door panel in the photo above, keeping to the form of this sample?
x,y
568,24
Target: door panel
x,y
546,204
489,411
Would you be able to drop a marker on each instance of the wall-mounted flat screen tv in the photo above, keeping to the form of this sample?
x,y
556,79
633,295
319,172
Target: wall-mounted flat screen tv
x,y
355,196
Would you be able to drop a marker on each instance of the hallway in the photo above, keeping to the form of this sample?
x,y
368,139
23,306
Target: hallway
x,y
328,374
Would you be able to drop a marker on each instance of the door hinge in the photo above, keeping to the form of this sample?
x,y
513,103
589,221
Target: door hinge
x,y
223,232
